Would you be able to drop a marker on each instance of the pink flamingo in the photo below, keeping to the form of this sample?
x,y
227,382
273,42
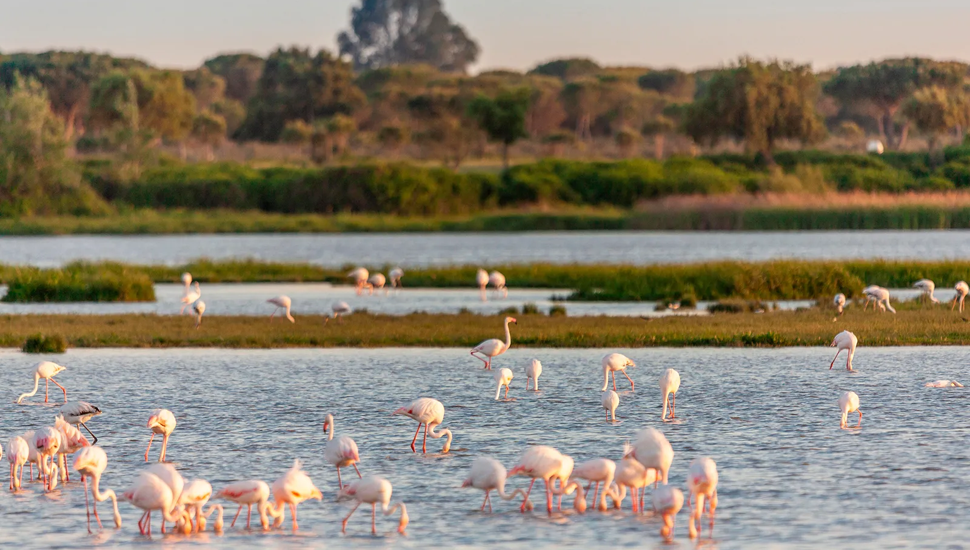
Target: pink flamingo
x,y
373,490
359,276
292,488
848,342
702,484
667,501
429,413
162,421
248,493
494,347
611,364
340,451
849,402
488,475
539,462
190,296
46,370
651,449
503,377
91,463
17,454
150,493
669,384
72,441
533,369
284,303
195,495
611,400
598,470
481,279
48,441
630,474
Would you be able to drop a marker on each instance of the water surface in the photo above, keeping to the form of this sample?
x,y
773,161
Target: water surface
x,y
789,477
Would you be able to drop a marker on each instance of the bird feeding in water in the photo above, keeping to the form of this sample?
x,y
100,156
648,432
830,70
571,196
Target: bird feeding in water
x,y
611,364
162,421
359,276
46,370
611,400
944,384
428,413
849,402
488,474
375,491
497,280
503,377
481,280
669,384
844,341
533,369
91,463
339,451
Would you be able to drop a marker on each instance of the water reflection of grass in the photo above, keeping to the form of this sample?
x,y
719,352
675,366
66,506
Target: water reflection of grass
x,y
916,326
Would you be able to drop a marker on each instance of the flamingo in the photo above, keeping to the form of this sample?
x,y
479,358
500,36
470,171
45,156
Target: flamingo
x,y
611,400
880,296
598,470
248,493
46,370
186,281
503,377
376,282
78,413
17,454
580,503
72,441
199,308
565,472
667,501
701,484
944,384
167,473
338,308
533,369
430,413
962,290
669,384
395,276
33,457
373,490
494,347
47,441
489,475
927,287
849,402
190,297
359,276
195,495
162,421
847,341
340,451
481,279
631,474
292,488
839,302
651,449
497,280
150,493
616,362
91,463
281,302
539,462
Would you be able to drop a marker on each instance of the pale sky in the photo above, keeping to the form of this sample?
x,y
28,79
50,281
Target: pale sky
x,y
514,34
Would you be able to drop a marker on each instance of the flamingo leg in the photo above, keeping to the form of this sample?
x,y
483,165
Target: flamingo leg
x,y
161,457
293,511
527,493
506,391
239,511
86,509
346,519
340,484
859,425
595,491
63,389
627,377
415,437
358,471
485,500
149,446
373,518
673,406
272,314
832,364
249,514
548,497
613,372
89,432
424,443
47,388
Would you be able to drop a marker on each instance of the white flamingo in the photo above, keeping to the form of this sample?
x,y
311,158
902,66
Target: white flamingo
x,y
839,302
849,402
481,279
186,282
163,422
359,276
503,377
540,462
338,308
651,449
429,413
46,370
944,384
190,297
284,303
374,490
630,474
395,276
199,308
669,384
927,287
847,341
376,282
488,474
611,400
497,280
667,501
494,347
247,493
701,486
339,451
17,455
533,369
880,296
611,364
91,463
597,470
962,290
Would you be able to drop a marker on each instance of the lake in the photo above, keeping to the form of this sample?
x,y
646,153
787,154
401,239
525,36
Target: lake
x,y
789,477
425,249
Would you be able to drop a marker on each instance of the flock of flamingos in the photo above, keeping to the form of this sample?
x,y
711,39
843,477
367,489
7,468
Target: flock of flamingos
x,y
646,459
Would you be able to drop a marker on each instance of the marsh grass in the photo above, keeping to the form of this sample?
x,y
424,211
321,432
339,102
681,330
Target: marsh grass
x,y
80,282
39,343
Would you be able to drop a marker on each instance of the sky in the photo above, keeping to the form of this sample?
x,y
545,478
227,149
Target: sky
x,y
514,34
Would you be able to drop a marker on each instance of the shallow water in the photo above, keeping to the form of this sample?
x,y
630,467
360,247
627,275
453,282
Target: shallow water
x,y
422,249
788,476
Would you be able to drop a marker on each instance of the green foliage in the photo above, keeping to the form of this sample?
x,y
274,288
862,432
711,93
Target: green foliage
x,y
296,132
670,82
39,343
851,131
81,282
567,69
557,310
529,308
502,118
241,71
164,105
393,137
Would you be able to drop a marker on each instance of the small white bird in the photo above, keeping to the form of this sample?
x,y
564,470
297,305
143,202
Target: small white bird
x,y
338,308
359,276
281,302
651,449
186,280
669,384
944,384
847,341
927,286
190,297
199,308
962,290
533,368
611,400
497,280
839,302
849,402
163,422
395,276
481,279
17,455
78,413
46,370
667,501
503,377
373,490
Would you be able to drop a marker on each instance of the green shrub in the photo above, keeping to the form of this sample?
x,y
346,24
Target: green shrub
x,y
530,309
511,310
557,310
81,282
738,306
39,343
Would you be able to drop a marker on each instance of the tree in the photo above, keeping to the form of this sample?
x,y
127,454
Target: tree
x,y
209,129
393,137
886,86
932,112
114,103
165,107
241,71
296,132
568,68
670,82
626,140
444,128
759,104
339,129
232,111
207,87
394,32
298,85
657,129
502,118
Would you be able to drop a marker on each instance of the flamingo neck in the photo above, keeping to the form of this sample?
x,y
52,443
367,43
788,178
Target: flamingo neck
x,y
332,427
34,392
438,435
508,335
101,497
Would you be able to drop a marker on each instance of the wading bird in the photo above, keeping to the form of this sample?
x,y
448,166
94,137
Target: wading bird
x,y
494,347
338,308
78,413
488,475
247,493
186,282
339,451
376,282
481,279
395,276
292,488
195,495
190,297
17,455
849,402
880,296
667,502
162,421
199,308
373,490
91,463
669,384
539,462
962,290
597,470
533,369
944,384
429,413
611,400
503,377
497,280
150,493
611,364
701,485
284,303
630,474
927,287
47,441
72,441
359,276
170,476
839,302
651,449
847,341
46,370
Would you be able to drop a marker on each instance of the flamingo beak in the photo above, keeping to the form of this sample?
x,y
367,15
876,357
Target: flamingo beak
x,y
402,410
325,426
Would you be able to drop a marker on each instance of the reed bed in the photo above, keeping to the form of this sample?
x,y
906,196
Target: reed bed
x,y
79,282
